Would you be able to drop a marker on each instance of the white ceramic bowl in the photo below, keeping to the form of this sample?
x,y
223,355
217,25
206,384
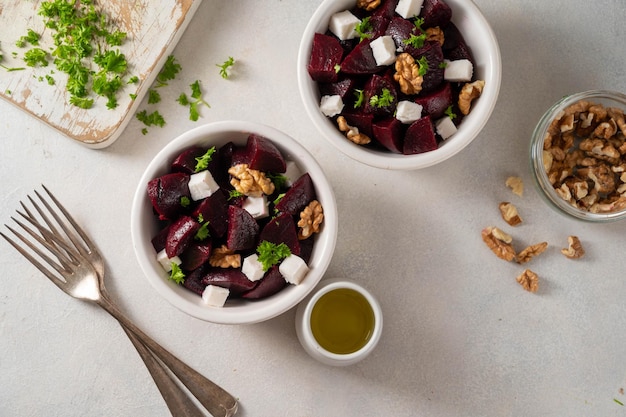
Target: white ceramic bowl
x,y
479,37
305,332
144,226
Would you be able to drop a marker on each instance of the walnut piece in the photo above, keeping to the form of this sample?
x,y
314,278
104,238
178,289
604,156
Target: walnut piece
x,y
311,219
435,34
250,182
469,93
529,280
408,74
499,242
223,257
574,249
509,213
368,5
352,133
530,252
516,185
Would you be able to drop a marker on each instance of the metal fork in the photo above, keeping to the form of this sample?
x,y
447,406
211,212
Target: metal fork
x,y
78,270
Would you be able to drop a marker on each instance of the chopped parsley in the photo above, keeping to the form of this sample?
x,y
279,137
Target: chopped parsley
x,y
176,274
202,162
195,102
185,201
450,113
203,232
423,64
279,180
153,96
270,254
363,28
360,97
224,67
150,119
31,37
416,41
36,57
168,72
383,100
234,194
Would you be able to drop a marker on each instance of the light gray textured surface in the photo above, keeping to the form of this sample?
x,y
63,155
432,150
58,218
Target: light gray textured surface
x,y
461,337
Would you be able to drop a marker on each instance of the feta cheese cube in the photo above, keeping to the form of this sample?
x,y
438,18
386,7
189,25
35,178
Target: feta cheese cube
x,y
445,127
384,50
215,296
166,262
409,8
458,70
252,268
256,206
331,105
202,185
294,269
343,25
292,173
408,111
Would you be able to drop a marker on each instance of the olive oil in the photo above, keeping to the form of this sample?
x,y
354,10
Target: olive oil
x,y
342,321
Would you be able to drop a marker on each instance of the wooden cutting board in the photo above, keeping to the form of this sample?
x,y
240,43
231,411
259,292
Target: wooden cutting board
x,y
153,28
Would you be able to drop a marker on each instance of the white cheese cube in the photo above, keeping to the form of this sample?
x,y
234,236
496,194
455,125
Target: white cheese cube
x,y
445,127
256,206
294,269
343,25
384,50
292,173
166,262
409,8
408,111
215,296
252,268
331,105
202,185
459,70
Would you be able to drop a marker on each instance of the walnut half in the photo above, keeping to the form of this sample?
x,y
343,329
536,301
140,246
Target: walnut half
x,y
509,213
408,74
499,242
223,257
530,252
311,219
575,248
529,280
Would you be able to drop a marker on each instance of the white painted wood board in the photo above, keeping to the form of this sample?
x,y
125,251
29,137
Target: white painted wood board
x,y
153,28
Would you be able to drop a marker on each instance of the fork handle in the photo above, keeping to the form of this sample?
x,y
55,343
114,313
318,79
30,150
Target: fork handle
x,y
213,397
179,404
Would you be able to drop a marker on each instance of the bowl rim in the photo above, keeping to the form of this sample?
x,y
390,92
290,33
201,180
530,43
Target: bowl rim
x,y
463,11
540,178
236,312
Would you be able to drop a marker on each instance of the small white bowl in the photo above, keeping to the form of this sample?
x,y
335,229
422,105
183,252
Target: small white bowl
x,y
479,37
144,226
305,332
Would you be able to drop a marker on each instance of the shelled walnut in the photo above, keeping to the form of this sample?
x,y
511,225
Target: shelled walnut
x,y
223,257
574,249
529,280
250,182
311,219
499,242
530,252
509,213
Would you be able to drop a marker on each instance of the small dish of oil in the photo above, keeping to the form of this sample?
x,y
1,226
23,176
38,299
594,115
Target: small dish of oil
x,y
339,323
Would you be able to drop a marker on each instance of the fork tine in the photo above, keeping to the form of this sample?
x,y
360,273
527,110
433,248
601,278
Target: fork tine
x,y
55,279
90,245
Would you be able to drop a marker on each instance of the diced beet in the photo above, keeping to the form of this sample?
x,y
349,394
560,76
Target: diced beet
x,y
193,281
378,26
298,196
436,13
361,120
360,60
261,154
214,209
186,160
270,284
180,235
282,229
436,102
455,46
343,88
400,30
387,9
158,241
233,279
420,137
195,255
165,193
242,229
326,54
306,249
376,88
390,133
434,56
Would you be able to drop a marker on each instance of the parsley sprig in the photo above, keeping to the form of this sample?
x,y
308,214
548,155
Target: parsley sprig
x,y
383,100
195,102
202,162
363,28
270,253
225,66
176,274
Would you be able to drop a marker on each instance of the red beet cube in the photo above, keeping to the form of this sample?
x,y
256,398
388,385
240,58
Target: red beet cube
x,y
282,229
326,54
261,154
242,229
180,235
270,284
389,132
298,196
420,137
166,193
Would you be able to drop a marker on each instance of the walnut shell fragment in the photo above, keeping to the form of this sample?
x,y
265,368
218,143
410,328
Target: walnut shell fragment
x,y
529,280
530,252
575,249
499,242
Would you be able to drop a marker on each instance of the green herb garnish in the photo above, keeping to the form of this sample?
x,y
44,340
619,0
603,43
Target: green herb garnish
x,y
384,100
31,37
416,41
360,97
203,232
234,194
153,96
168,72
224,67
185,201
36,57
270,254
362,29
202,162
196,95
279,180
150,119
176,274
450,113
423,64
